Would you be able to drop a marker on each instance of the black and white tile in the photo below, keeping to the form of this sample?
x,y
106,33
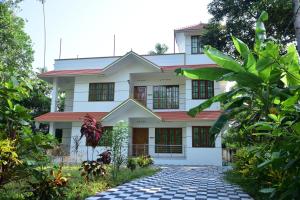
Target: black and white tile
x,y
176,182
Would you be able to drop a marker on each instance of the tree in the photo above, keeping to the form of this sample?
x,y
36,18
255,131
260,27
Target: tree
x,y
240,17
159,49
264,106
297,22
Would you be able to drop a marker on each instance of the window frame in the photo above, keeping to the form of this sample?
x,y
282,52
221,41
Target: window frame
x,y
99,92
162,90
198,44
169,136
198,91
208,143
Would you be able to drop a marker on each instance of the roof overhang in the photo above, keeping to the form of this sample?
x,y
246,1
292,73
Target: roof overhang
x,y
68,116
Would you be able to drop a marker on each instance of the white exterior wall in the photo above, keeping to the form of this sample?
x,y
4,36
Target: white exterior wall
x,y
180,41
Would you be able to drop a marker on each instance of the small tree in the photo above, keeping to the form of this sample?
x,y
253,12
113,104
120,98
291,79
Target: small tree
x,y
92,130
159,49
119,141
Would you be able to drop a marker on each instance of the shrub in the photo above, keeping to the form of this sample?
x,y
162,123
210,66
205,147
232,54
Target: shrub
x,y
92,170
105,157
131,163
245,161
48,185
144,161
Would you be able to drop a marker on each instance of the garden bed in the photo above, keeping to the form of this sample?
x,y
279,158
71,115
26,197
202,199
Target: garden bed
x,y
77,187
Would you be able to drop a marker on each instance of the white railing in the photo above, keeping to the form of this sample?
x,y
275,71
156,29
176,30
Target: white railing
x,y
158,150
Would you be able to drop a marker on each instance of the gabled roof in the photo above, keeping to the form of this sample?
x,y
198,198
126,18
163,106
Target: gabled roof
x,y
177,116
127,56
199,26
64,73
135,104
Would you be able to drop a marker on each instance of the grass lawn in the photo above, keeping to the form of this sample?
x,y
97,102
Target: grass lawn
x,y
249,185
78,188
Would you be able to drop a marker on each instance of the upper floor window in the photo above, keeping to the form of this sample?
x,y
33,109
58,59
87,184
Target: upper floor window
x,y
166,97
202,89
201,137
101,91
195,44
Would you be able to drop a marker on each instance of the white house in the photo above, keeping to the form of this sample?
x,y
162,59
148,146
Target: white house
x,y
145,91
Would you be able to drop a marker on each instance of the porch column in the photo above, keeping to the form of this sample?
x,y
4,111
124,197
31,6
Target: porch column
x,y
151,141
51,128
54,95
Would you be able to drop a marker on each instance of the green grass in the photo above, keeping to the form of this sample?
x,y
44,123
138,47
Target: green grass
x,y
249,185
77,187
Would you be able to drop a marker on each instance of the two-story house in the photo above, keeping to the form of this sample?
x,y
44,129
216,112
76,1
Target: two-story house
x,y
144,91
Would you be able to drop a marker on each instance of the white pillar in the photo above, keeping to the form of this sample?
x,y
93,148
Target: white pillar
x,y
54,96
51,128
151,141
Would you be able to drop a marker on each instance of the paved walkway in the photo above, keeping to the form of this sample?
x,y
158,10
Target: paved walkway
x,y
177,183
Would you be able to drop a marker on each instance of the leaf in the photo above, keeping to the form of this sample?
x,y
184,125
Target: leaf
x,y
267,190
245,79
263,164
291,101
203,73
223,60
10,104
296,127
241,47
260,31
274,117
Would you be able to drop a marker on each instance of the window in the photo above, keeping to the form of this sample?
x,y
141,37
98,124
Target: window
x,y
202,89
166,97
101,91
106,139
201,136
168,140
58,135
195,44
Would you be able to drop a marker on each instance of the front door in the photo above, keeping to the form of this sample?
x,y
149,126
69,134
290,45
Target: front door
x,y
140,141
140,94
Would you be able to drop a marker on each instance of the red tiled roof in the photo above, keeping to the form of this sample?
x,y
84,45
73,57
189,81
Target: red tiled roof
x,y
68,116
166,116
98,71
183,116
173,67
192,27
70,72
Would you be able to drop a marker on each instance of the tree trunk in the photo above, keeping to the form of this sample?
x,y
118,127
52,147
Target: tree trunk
x,y
297,22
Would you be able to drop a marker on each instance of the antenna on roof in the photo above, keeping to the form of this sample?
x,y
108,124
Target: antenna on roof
x,y
59,48
114,45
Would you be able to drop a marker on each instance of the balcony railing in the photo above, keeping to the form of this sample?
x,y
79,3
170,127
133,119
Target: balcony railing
x,y
158,150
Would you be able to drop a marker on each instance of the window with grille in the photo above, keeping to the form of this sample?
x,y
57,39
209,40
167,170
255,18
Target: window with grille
x,y
196,44
101,91
201,137
166,97
202,89
168,140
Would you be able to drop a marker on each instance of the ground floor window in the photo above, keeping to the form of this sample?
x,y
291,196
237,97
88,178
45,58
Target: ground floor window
x,y
168,140
201,137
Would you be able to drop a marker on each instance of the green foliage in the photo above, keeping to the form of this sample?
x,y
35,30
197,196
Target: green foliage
x,y
159,49
9,160
261,111
131,163
118,147
240,17
46,185
144,161
91,170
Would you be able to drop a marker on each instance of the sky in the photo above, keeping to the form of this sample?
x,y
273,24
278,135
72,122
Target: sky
x,y
87,27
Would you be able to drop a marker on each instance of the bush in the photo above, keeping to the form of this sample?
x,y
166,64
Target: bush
x,y
131,163
144,161
48,185
92,170
245,161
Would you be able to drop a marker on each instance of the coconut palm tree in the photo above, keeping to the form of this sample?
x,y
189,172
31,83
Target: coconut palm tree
x,y
159,49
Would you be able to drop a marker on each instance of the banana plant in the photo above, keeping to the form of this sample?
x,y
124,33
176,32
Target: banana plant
x,y
264,75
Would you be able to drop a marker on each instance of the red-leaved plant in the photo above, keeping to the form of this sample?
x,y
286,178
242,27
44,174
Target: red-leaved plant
x,y
92,130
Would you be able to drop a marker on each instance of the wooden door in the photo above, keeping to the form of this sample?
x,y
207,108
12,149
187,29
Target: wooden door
x,y
140,141
140,94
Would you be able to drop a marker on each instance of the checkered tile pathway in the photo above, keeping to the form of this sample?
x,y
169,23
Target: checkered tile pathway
x,y
203,182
